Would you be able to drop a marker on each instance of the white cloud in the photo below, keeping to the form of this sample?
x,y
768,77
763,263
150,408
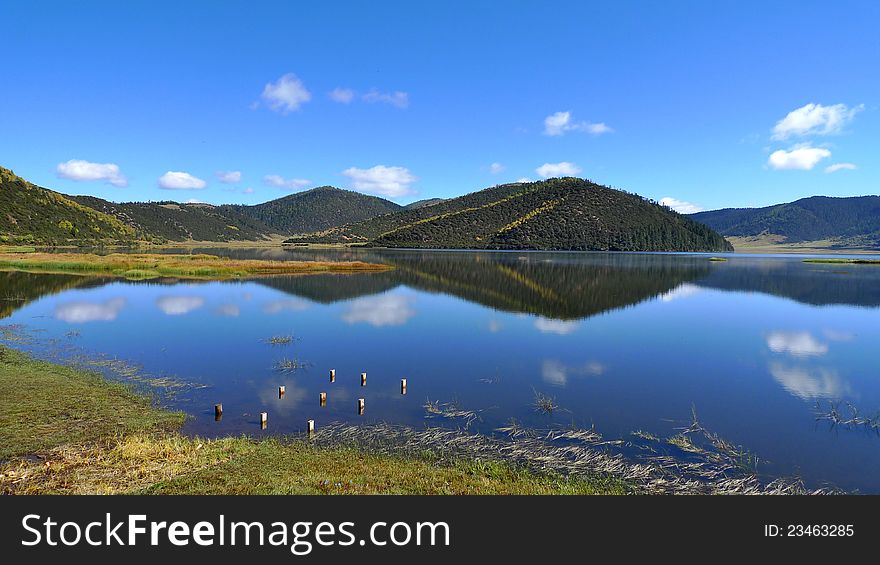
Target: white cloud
x,y
563,169
229,177
810,383
840,167
248,190
230,310
554,372
378,311
179,305
341,95
382,180
280,182
681,206
561,122
194,201
800,157
558,327
495,326
176,180
286,94
81,312
836,335
79,170
396,98
798,344
523,179
291,305
684,290
815,119
496,168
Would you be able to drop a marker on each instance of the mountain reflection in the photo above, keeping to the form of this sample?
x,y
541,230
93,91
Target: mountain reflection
x,y
558,288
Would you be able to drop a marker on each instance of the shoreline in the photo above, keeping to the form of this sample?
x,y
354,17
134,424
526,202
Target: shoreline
x,y
67,430
157,265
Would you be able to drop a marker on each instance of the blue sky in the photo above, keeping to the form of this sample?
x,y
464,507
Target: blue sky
x,y
715,104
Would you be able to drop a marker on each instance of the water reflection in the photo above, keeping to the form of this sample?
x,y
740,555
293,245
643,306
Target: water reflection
x,y
797,344
81,312
810,383
556,373
179,305
386,310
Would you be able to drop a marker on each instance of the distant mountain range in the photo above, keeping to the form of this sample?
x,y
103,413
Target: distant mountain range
x,y
561,214
566,213
846,223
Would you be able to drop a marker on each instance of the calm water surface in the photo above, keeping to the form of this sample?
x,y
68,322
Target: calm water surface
x,y
622,341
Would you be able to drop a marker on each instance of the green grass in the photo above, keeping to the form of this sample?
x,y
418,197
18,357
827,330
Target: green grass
x,y
69,431
146,265
721,259
845,261
43,405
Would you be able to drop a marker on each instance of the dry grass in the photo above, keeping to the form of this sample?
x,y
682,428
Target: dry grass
x,y
197,266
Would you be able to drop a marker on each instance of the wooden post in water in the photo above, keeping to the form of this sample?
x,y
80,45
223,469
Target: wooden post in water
x,y
363,379
218,412
281,391
402,386
360,406
264,417
311,424
332,375
323,399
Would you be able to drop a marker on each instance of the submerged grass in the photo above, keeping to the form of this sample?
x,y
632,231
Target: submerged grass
x,y
195,266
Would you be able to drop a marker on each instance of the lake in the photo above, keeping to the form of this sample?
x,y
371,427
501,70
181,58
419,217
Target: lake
x,y
622,342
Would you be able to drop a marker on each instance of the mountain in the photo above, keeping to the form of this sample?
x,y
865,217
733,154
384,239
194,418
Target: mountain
x,y
180,222
316,209
32,214
423,203
845,222
563,214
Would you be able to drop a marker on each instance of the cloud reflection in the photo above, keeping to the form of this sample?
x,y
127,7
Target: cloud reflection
x,y
555,373
558,327
81,312
682,291
810,383
231,310
289,305
798,344
378,311
179,305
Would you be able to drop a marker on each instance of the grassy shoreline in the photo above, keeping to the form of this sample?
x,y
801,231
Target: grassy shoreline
x,y
69,431
147,265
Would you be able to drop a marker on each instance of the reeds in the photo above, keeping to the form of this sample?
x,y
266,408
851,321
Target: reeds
x,y
850,418
286,365
280,340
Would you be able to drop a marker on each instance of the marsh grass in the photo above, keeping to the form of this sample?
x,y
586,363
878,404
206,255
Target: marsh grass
x,y
281,340
848,418
196,266
287,365
718,259
544,404
844,261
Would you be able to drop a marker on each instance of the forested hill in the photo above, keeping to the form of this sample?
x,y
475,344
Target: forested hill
x,y
849,221
316,209
563,213
173,221
32,214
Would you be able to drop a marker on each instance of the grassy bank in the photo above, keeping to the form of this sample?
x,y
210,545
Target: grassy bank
x,y
145,265
845,261
65,430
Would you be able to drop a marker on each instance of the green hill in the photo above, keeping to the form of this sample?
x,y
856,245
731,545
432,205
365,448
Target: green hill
x,y
314,210
180,222
563,214
423,203
850,222
32,214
